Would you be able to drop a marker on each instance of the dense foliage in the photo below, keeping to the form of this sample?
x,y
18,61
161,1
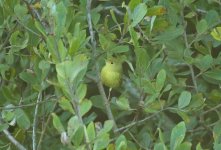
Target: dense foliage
x,y
51,55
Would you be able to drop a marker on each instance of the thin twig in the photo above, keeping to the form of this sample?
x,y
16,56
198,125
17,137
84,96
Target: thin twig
x,y
35,121
140,121
26,105
32,11
8,36
117,11
187,47
77,111
201,128
12,139
76,107
99,83
138,143
44,129
142,32
212,109
27,28
193,77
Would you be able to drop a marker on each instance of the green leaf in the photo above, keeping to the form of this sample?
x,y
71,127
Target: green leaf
x,y
57,123
95,16
134,37
53,49
121,143
91,132
217,131
8,115
85,106
105,42
44,66
60,19
62,50
142,61
138,14
170,34
190,14
108,125
198,147
3,126
197,102
161,77
78,136
21,11
78,39
115,19
73,125
22,119
177,135
201,26
212,17
184,99
66,105
216,33
3,69
120,49
160,146
133,3
19,40
161,136
97,101
188,2
101,142
157,10
71,73
81,91
152,23
40,28
204,62
28,77
213,74
154,106
184,146
183,115
216,146
123,103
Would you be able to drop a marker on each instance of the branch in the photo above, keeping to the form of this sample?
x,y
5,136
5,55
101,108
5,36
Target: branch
x,y
8,36
211,109
44,129
76,107
187,47
77,111
117,11
99,83
27,105
35,121
193,78
140,121
12,139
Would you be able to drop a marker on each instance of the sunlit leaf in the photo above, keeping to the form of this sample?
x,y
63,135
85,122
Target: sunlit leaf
x,y
177,135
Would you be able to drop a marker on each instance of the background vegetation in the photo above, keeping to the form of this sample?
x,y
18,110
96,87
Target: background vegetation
x,y
51,54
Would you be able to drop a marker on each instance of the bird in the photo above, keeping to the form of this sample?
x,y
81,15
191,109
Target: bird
x,y
111,73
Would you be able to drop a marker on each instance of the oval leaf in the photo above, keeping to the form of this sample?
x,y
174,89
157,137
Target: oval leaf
x,y
184,99
177,135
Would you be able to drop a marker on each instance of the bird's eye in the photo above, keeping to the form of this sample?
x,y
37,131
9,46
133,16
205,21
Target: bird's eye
x,y
112,62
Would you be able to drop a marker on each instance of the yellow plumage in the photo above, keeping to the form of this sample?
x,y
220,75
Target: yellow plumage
x,y
111,73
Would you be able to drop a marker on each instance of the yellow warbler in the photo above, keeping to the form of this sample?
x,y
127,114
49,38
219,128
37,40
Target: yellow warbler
x,y
216,33
111,73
